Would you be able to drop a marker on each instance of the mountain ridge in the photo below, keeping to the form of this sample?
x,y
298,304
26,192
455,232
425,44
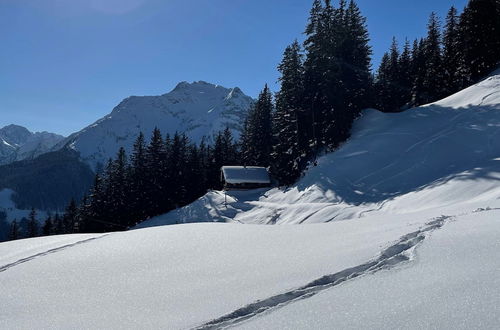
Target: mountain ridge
x,y
18,143
199,109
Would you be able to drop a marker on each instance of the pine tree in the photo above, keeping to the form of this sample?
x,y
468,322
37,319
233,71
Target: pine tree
x,y
94,213
290,136
388,83
433,78
118,191
47,228
155,164
418,72
480,36
336,72
14,231
452,55
69,217
355,64
314,66
257,143
32,224
138,180
59,224
405,76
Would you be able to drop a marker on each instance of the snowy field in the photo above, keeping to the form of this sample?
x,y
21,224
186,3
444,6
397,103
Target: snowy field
x,y
401,228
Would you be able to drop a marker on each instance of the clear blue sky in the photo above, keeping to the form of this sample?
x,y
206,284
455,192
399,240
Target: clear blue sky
x,y
66,63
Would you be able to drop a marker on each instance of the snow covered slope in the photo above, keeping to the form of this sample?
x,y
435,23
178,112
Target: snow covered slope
x,y
198,109
398,272
445,154
18,143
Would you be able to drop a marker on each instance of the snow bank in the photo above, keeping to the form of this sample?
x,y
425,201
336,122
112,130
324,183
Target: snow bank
x,y
451,285
176,277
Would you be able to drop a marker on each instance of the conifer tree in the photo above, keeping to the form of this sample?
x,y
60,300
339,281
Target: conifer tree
x,y
433,78
405,76
70,217
452,55
155,156
290,136
32,230
14,230
418,72
58,224
138,180
480,36
257,143
388,83
47,228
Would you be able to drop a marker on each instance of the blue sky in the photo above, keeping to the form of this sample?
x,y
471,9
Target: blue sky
x,y
66,63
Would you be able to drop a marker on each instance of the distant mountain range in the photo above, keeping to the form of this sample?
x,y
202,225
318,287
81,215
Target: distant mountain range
x,y
18,143
46,170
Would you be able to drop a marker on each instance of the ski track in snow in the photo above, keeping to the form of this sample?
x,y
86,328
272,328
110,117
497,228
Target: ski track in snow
x,y
398,253
53,250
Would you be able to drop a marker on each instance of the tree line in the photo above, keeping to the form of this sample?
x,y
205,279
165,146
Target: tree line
x,y
447,60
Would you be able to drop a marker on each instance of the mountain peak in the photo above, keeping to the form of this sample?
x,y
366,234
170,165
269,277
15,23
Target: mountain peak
x,y
200,86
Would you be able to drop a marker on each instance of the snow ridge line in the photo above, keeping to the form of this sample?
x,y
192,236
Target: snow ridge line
x,y
53,250
392,256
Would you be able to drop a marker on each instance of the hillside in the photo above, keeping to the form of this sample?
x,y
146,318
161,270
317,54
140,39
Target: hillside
x,y
47,182
406,218
198,109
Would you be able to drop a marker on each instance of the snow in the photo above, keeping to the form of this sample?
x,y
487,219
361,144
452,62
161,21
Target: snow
x,y
452,284
179,276
18,143
399,230
199,109
245,174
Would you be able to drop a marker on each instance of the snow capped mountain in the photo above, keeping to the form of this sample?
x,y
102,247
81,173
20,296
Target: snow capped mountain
x,y
18,143
199,109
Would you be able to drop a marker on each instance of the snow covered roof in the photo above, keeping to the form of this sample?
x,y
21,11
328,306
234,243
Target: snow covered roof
x,y
245,174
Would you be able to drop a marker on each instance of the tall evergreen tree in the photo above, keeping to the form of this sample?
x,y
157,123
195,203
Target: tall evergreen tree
x,y
47,228
32,230
155,163
405,76
138,180
418,72
14,231
452,55
336,71
257,143
433,78
290,136
70,217
480,36
388,81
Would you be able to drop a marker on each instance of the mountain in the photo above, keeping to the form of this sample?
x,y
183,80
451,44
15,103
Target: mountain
x,y
198,109
18,143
